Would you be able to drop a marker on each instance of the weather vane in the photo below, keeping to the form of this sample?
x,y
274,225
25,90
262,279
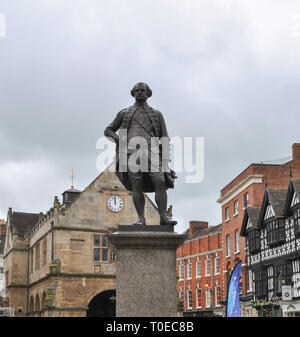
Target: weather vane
x,y
72,170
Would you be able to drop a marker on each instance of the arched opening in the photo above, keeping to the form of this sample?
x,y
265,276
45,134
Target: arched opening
x,y
37,303
31,305
43,300
103,305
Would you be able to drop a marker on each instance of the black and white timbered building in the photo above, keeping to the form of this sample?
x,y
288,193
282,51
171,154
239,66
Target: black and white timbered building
x,y
272,234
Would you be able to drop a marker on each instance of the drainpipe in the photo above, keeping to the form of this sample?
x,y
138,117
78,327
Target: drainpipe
x,y
211,282
27,282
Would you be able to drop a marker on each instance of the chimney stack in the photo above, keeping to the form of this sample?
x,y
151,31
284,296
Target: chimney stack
x,y
296,151
195,225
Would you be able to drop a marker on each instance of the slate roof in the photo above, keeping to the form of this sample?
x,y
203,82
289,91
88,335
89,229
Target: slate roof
x,y
24,222
277,199
253,213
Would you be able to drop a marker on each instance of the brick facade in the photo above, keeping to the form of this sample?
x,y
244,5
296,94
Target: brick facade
x,y
252,181
203,243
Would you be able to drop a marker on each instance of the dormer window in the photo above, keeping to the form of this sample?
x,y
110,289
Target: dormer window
x,y
253,238
275,232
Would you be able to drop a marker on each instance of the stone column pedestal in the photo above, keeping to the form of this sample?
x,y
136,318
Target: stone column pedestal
x,y
146,270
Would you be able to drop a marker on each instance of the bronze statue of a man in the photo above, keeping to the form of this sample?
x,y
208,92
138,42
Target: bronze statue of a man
x,y
142,121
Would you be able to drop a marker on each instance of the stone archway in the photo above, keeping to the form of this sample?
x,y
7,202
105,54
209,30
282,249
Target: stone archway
x,y
103,305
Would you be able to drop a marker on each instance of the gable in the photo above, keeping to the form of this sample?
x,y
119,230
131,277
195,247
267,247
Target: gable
x,y
249,224
269,212
90,209
295,200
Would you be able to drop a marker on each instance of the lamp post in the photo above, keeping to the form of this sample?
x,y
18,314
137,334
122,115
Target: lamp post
x,y
184,285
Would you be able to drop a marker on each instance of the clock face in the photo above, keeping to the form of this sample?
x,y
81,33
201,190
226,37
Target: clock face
x,y
115,203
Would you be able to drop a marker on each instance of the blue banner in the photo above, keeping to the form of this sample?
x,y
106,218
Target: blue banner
x,y
233,299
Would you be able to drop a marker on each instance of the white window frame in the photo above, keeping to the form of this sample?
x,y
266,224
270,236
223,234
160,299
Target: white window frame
x,y
216,296
246,194
197,299
189,299
227,214
236,208
217,258
228,248
181,272
237,241
207,266
207,298
189,270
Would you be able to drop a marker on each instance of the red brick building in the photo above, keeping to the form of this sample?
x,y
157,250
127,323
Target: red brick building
x,y
199,262
247,190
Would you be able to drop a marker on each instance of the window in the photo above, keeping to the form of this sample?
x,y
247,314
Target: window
x,y
100,248
270,281
237,241
217,295
253,240
207,267
44,251
282,275
296,217
37,257
181,271
226,213
31,260
236,207
190,299
217,266
189,270
296,278
199,298
275,232
198,269
207,297
181,295
227,245
250,281
260,278
7,278
246,200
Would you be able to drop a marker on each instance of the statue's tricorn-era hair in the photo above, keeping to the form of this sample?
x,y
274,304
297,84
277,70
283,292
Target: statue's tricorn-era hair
x,y
149,91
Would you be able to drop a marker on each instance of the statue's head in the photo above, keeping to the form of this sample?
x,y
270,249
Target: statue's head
x,y
141,92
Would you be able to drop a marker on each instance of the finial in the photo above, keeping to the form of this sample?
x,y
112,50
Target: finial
x,y
266,183
72,170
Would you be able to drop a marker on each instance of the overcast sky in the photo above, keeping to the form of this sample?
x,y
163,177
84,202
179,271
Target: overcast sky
x,y
227,71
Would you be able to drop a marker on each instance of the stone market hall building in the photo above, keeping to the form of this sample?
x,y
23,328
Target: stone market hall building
x,y
60,263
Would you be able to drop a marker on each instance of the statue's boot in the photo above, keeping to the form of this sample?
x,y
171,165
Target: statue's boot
x,y
167,221
140,222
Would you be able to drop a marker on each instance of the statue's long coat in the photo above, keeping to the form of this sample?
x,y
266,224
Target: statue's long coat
x,y
122,121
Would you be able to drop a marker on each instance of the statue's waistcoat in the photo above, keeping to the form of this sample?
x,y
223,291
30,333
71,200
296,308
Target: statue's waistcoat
x,y
153,115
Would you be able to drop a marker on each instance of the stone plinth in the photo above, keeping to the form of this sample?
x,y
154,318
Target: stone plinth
x,y
146,271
